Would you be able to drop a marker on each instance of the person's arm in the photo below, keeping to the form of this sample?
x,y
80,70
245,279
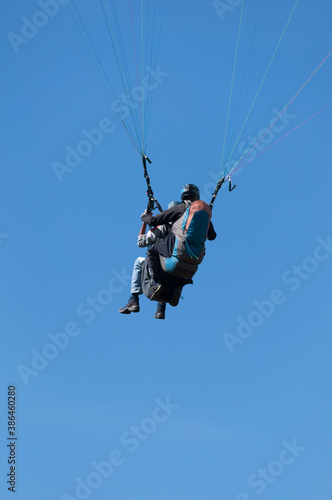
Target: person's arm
x,y
142,237
143,229
170,215
145,240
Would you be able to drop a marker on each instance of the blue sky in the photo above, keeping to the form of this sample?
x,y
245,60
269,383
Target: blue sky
x,y
229,397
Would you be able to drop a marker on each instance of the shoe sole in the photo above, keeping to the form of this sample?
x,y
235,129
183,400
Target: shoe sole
x,y
128,311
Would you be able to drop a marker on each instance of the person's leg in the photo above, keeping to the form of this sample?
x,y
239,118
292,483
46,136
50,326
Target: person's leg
x,y
160,312
136,286
135,289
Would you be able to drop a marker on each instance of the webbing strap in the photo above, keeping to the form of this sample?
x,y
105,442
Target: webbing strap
x,y
218,186
216,191
152,200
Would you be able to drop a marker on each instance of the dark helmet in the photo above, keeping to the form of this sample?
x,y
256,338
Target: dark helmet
x,y
190,192
173,204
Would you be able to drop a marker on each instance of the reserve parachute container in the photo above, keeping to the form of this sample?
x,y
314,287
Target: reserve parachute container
x,y
190,232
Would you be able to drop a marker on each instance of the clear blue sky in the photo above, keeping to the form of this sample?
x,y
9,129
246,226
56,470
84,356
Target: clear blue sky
x,y
229,398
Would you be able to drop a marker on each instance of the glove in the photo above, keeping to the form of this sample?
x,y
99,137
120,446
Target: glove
x,y
146,217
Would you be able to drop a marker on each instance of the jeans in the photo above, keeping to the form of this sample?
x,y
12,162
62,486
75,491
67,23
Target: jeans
x,y
136,286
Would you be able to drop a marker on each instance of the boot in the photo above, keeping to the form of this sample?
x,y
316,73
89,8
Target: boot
x,y
132,306
160,312
176,296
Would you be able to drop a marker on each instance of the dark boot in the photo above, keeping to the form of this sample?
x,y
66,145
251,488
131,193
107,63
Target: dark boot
x,y
160,312
132,306
176,296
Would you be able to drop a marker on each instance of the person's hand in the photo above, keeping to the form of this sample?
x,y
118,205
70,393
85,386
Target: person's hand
x,y
146,217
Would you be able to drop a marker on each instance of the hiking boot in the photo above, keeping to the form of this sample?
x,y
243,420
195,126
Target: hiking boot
x,y
155,289
160,312
176,296
131,307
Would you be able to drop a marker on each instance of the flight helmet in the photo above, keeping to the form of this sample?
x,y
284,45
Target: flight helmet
x,y
190,192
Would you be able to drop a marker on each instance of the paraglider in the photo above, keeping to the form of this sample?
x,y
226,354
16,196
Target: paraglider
x,y
171,262
177,248
176,251
144,240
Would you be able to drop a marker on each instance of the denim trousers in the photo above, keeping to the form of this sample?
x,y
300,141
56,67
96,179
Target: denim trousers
x,y
136,285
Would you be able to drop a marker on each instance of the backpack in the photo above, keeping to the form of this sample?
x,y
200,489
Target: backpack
x,y
190,232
